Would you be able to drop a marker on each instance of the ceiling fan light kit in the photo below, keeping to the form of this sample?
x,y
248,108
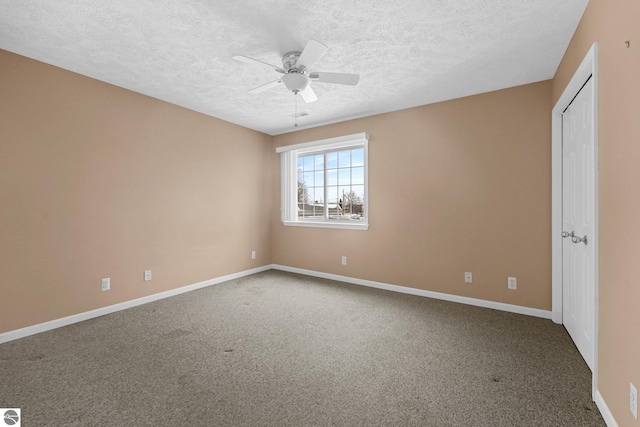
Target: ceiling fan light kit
x,y
296,67
295,82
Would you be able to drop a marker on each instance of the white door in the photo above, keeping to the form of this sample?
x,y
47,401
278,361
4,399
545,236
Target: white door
x,y
578,212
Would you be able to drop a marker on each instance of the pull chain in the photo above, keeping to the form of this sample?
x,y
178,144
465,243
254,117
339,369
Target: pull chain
x,y
295,116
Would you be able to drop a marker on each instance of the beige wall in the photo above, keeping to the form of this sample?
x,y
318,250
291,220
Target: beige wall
x,y
611,24
463,185
97,181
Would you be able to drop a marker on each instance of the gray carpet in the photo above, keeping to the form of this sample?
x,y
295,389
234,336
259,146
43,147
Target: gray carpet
x,y
279,349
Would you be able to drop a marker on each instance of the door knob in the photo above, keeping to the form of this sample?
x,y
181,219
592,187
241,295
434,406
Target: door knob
x,y
576,239
566,234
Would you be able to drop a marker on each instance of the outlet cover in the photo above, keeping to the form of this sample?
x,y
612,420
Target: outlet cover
x,y
633,400
512,283
147,275
253,254
468,277
105,284
344,260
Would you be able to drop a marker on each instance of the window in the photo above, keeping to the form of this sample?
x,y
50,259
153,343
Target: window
x,y
324,183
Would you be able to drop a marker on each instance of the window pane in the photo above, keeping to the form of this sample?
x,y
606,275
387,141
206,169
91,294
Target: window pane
x,y
357,176
300,163
303,194
344,159
308,163
347,200
356,202
332,177
307,178
319,178
318,195
332,160
332,195
357,157
343,192
319,162
344,176
358,190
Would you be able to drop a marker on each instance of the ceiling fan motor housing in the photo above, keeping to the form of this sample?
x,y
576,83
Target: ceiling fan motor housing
x,y
290,59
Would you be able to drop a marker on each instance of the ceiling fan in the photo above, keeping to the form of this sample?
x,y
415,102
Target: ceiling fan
x,y
297,74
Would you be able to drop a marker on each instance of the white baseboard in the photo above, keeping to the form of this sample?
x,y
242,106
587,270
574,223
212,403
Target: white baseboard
x,y
58,323
604,410
53,324
535,312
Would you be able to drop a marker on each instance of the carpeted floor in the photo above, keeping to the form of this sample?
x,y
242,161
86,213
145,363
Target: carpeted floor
x,y
279,349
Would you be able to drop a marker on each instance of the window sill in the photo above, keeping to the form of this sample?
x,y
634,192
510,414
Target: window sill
x,y
318,224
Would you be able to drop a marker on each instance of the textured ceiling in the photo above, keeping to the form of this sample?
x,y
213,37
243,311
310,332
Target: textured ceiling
x,y
407,52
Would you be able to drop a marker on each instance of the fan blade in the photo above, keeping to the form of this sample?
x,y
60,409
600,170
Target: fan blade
x,y
308,95
265,87
339,78
311,53
248,60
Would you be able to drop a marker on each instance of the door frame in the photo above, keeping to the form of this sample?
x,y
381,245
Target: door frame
x,y
588,67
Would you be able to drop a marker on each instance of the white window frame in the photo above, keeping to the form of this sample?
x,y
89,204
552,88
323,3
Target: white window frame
x,y
289,183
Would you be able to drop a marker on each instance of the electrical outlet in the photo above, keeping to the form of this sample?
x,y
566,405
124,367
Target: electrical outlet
x,y
633,400
253,254
147,275
106,284
344,260
512,283
468,277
